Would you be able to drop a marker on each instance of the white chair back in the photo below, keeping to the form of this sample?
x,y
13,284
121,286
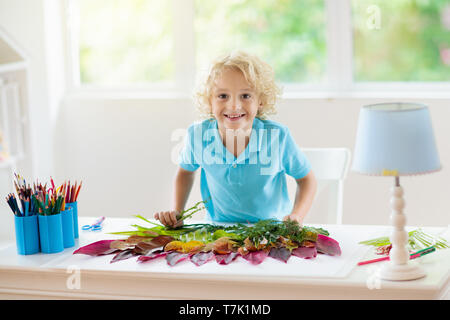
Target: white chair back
x,y
330,166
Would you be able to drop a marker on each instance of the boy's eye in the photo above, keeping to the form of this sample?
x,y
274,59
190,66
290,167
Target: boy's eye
x,y
246,96
222,96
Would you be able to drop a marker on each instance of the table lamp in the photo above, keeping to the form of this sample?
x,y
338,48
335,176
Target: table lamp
x,y
396,139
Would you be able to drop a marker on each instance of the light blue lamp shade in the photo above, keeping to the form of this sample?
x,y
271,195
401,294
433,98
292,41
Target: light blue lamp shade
x,y
395,137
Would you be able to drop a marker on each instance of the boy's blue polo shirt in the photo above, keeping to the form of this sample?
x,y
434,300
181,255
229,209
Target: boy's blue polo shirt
x,y
253,185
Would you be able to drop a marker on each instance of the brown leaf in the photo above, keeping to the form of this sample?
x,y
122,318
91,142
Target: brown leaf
x,y
308,244
208,247
223,245
162,240
243,251
136,239
121,245
248,244
144,247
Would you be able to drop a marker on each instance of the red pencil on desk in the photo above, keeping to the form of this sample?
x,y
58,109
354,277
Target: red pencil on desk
x,y
411,256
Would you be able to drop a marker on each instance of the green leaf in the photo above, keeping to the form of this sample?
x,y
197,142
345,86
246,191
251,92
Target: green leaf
x,y
146,220
222,233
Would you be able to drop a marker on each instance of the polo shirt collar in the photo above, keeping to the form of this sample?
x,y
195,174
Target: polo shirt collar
x,y
253,145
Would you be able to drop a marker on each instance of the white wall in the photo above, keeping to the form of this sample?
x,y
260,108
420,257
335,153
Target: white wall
x,y
121,148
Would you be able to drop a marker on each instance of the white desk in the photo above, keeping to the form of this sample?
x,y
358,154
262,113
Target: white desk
x,y
56,276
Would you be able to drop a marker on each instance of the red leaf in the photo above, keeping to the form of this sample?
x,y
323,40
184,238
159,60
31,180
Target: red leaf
x,y
174,257
98,248
282,254
152,256
226,258
305,252
123,255
201,258
256,257
327,245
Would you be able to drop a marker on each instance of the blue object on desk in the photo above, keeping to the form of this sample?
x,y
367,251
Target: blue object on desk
x,y
67,227
96,226
74,206
27,234
51,233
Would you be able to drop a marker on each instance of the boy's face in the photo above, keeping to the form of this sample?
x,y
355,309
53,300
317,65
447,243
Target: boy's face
x,y
234,102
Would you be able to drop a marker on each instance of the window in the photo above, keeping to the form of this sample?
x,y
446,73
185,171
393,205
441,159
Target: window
x,y
325,45
401,40
289,35
125,41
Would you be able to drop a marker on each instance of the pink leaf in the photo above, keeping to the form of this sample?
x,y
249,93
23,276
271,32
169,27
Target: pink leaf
x,y
255,257
226,258
173,258
98,248
201,257
305,252
327,245
282,254
152,256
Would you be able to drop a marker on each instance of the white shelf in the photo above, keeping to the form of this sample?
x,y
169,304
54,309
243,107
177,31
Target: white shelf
x,y
10,162
6,163
13,66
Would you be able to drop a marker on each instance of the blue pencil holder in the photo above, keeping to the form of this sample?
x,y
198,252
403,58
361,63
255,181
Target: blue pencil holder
x,y
67,227
51,233
27,234
74,206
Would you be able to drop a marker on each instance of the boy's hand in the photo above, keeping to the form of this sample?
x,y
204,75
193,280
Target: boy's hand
x,y
294,217
169,218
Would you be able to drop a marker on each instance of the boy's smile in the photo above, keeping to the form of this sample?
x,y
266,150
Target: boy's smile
x,y
234,103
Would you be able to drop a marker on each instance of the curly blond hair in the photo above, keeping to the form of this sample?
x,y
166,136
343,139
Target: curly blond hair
x,y
258,74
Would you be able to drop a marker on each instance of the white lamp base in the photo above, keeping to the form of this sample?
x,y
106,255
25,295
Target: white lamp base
x,y
410,271
399,267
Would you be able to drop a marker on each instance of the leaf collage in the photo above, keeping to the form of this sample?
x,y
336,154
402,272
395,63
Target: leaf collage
x,y
202,242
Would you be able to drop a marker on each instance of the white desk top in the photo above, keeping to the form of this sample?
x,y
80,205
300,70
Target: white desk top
x,y
326,277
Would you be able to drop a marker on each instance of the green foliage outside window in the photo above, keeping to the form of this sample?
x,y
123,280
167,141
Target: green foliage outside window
x,y
402,40
125,41
288,34
131,41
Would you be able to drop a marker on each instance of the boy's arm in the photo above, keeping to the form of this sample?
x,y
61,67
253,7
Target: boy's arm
x,y
184,180
306,190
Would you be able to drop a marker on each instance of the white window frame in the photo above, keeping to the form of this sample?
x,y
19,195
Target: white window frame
x,y
339,81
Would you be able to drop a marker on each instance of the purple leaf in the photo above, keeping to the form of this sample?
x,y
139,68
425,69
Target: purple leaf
x,y
256,257
98,248
153,255
282,254
123,255
201,257
327,245
226,258
173,258
305,252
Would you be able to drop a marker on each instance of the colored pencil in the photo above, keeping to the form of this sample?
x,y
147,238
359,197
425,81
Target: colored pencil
x,y
414,255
